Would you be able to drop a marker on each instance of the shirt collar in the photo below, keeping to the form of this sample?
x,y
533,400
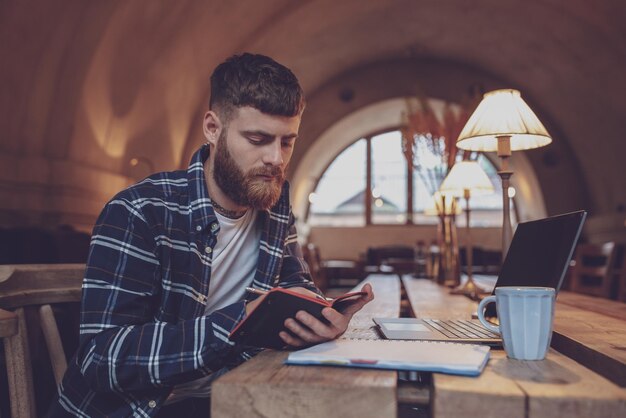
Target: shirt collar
x,y
202,213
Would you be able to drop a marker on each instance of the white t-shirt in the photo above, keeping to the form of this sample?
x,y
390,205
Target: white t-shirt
x,y
233,267
235,258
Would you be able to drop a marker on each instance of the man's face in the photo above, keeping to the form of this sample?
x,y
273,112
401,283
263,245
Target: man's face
x,y
251,156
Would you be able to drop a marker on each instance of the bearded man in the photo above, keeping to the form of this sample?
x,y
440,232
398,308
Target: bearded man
x,y
171,257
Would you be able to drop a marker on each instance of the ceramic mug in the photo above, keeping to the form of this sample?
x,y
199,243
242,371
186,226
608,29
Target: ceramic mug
x,y
526,315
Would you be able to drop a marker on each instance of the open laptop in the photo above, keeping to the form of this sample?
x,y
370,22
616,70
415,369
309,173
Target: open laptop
x,y
538,256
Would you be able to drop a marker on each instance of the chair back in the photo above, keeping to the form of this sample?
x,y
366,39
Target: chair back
x,y
621,274
377,256
592,272
312,257
27,295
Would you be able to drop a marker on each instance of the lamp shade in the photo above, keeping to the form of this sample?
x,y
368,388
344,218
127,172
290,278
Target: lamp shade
x,y
466,175
500,113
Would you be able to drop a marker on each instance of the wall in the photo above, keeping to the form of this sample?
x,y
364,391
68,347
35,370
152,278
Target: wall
x,y
92,84
350,243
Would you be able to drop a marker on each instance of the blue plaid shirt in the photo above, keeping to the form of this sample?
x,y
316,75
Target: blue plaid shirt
x,y
143,328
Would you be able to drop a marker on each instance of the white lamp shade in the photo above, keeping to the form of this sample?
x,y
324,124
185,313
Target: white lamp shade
x,y
503,112
466,175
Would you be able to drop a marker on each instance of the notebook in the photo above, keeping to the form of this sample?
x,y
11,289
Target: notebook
x,y
261,327
538,256
427,356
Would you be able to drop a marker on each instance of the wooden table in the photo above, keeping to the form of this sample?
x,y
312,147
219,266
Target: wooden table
x,y
592,331
556,386
264,387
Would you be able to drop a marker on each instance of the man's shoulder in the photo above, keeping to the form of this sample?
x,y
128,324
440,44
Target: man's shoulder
x,y
163,187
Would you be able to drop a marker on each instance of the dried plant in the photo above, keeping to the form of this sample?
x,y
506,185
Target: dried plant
x,y
432,134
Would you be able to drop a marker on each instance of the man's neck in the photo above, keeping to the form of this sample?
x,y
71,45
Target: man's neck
x,y
221,202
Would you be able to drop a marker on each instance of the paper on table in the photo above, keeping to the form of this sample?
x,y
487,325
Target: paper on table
x,y
431,356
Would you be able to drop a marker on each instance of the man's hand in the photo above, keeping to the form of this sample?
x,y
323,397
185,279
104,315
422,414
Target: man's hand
x,y
307,330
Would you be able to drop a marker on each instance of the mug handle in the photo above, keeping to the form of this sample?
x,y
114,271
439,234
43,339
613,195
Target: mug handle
x,y
481,314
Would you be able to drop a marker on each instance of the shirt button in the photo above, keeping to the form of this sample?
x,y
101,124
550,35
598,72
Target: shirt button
x,y
214,227
152,403
208,250
198,228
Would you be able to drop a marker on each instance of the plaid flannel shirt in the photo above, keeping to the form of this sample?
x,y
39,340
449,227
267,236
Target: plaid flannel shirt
x,y
143,328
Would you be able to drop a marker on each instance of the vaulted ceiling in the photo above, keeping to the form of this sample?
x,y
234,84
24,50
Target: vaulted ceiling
x,y
89,85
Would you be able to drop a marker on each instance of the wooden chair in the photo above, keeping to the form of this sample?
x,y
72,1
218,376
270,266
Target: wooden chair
x,y
333,273
592,273
27,292
377,256
621,289
312,257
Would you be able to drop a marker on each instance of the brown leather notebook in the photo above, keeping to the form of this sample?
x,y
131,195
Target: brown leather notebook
x,y
261,327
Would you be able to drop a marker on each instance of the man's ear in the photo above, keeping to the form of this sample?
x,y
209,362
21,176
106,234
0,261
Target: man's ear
x,y
212,127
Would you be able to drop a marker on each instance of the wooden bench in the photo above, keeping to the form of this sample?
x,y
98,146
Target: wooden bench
x,y
27,289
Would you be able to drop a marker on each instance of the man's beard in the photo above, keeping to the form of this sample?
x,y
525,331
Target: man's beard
x,y
246,189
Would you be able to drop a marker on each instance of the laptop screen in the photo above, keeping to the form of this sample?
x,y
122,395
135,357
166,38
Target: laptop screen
x,y
540,253
541,250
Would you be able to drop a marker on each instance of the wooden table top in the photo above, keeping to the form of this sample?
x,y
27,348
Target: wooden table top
x,y
553,387
265,387
515,388
592,331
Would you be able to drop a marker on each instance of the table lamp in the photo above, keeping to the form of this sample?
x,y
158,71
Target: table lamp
x,y
466,178
503,122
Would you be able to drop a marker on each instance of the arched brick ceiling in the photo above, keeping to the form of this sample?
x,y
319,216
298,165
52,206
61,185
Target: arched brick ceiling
x,y
100,82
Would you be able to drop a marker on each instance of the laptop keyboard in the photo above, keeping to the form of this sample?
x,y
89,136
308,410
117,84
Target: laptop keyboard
x,y
460,328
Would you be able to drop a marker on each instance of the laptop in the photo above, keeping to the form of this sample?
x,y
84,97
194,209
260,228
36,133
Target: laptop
x,y
539,254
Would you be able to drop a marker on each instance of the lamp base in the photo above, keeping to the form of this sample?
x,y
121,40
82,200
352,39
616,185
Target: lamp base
x,y
469,288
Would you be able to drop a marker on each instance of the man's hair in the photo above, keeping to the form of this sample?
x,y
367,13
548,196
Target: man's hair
x,y
257,81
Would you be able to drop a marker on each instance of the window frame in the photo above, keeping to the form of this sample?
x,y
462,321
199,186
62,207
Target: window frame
x,y
368,197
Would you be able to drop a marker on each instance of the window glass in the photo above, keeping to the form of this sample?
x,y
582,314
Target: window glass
x,y
389,184
423,204
339,198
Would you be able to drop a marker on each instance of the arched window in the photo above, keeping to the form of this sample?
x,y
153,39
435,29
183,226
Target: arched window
x,y
378,160
339,197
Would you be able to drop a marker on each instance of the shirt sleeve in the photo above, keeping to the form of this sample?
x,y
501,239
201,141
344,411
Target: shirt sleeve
x,y
122,346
